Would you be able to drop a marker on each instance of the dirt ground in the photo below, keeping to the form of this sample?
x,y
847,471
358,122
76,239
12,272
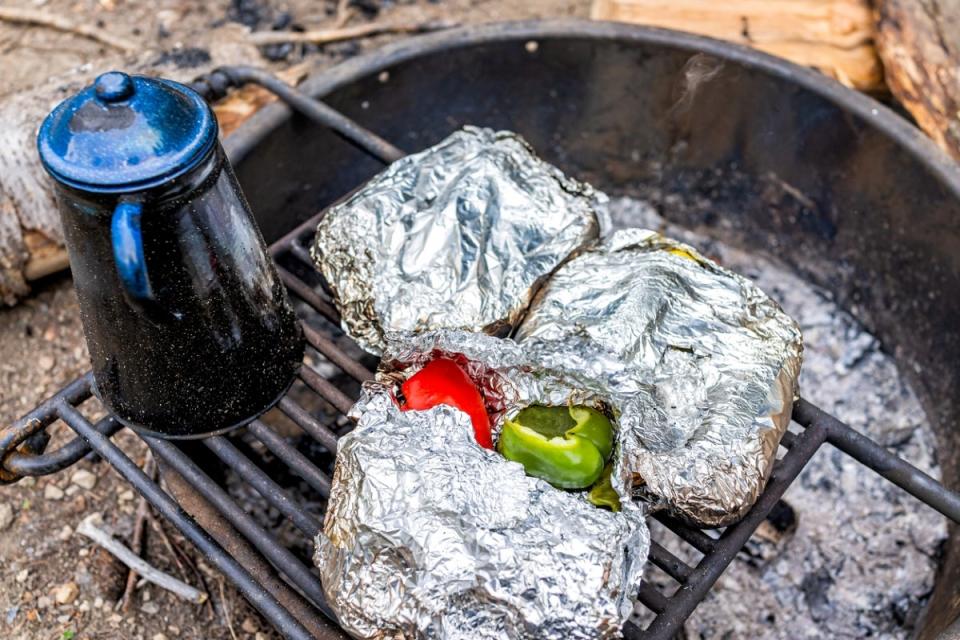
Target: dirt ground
x,y
55,584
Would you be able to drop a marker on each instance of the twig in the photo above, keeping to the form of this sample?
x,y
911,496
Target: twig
x,y
226,610
43,19
135,562
177,554
344,13
139,535
325,36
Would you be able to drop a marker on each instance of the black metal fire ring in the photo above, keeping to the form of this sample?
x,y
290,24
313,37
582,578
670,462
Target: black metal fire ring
x,y
285,588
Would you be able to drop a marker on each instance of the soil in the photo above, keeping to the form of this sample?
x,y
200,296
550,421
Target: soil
x,y
55,584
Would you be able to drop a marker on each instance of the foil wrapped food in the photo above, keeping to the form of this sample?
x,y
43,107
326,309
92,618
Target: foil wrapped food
x,y
457,236
702,365
430,536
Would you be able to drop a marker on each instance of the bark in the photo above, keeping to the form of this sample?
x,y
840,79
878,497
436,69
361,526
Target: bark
x,y
919,43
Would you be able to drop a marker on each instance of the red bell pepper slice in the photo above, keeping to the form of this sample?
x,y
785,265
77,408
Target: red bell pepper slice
x,y
443,381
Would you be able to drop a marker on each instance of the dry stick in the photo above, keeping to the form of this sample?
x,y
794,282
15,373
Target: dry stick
x,y
139,534
325,36
43,19
226,610
344,13
132,560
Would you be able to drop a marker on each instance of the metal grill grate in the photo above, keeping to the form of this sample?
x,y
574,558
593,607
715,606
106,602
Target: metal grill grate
x,y
283,584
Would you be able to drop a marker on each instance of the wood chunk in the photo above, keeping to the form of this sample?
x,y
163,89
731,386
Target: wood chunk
x,y
919,43
834,36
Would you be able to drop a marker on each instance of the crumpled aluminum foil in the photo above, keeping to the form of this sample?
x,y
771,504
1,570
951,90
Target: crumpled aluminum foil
x,y
430,536
701,364
457,236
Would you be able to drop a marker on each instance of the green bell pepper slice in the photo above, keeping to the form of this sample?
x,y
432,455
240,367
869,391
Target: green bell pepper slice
x,y
566,446
603,494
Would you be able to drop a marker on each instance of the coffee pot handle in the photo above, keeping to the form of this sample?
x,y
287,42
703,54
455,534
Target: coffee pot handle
x,y
128,254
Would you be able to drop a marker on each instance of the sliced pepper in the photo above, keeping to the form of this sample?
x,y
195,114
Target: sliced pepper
x,y
443,381
566,446
603,494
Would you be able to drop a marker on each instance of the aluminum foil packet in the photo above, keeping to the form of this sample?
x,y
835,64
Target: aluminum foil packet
x,y
702,364
430,536
460,235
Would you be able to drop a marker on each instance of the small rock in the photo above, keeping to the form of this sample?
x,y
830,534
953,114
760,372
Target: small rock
x,y
260,636
250,625
79,504
23,575
52,492
72,490
64,619
159,636
115,619
174,630
66,593
28,482
97,602
6,516
84,606
12,614
150,608
126,496
43,602
46,363
65,533
84,479
33,615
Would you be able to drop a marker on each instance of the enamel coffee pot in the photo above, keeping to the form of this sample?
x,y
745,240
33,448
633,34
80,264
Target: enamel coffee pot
x,y
189,328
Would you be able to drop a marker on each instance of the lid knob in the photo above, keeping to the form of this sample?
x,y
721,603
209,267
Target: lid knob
x,y
113,86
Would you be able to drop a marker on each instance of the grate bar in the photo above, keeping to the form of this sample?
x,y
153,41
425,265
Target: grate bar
x,y
334,354
711,566
291,457
276,553
315,110
168,508
341,401
35,465
694,537
651,598
313,427
869,453
303,291
278,497
301,252
671,564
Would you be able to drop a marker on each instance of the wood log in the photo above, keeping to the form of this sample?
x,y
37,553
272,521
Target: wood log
x,y
31,241
834,36
919,43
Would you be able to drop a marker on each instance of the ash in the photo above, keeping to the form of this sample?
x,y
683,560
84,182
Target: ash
x,y
845,553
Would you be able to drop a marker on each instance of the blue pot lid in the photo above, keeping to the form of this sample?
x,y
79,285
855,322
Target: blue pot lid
x,y
126,133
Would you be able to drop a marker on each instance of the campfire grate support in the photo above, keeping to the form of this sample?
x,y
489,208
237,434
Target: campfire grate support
x,y
292,596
